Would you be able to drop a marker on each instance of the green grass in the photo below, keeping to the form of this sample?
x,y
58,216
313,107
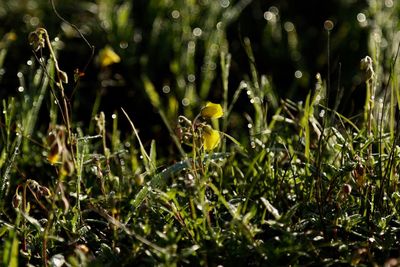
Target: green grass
x,y
289,184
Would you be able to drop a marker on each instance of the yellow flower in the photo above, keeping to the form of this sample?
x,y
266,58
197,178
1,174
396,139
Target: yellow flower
x,y
11,36
53,158
211,138
212,111
107,57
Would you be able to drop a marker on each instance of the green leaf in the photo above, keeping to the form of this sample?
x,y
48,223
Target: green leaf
x,y
153,152
11,245
151,92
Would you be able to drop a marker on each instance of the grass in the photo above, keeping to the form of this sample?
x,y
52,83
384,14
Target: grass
x,y
301,184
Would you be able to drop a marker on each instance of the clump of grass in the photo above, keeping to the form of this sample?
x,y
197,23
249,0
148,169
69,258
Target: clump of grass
x,y
301,185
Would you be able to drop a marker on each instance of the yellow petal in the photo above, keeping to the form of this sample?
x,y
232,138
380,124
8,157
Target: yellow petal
x,y
107,57
53,158
212,111
211,138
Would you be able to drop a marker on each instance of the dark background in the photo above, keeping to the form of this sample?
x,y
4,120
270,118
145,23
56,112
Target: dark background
x,y
121,85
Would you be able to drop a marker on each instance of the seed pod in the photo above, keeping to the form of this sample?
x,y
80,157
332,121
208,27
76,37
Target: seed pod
x,y
16,201
63,76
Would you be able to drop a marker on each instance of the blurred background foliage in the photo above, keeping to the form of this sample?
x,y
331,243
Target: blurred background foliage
x,y
170,50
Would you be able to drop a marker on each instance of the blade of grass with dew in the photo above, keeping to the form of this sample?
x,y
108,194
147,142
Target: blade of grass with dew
x,y
256,95
8,113
225,63
11,249
150,166
11,244
305,127
5,176
155,101
159,179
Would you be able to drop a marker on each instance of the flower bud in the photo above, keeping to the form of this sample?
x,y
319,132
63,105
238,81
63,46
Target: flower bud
x,y
212,111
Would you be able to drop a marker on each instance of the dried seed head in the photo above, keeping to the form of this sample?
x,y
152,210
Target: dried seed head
x,y
16,201
44,191
36,40
63,76
368,68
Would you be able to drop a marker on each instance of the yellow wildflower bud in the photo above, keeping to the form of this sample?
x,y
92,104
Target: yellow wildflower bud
x,y
11,36
211,138
212,111
54,153
53,158
107,57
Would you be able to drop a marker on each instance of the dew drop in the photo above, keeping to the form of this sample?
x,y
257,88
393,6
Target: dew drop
x,y
213,66
197,32
166,89
137,37
224,3
34,21
361,17
21,89
185,102
298,74
175,14
269,16
123,45
389,3
191,78
114,116
288,26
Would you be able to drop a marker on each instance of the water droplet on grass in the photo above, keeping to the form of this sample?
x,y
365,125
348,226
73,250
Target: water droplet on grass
x,y
191,78
298,74
288,26
123,45
166,89
389,3
185,102
175,14
197,32
224,3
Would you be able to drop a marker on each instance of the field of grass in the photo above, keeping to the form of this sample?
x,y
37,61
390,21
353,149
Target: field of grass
x,y
129,147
